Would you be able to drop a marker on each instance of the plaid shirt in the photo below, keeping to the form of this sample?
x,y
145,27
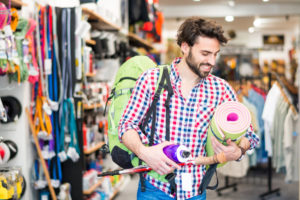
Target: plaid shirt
x,y
189,119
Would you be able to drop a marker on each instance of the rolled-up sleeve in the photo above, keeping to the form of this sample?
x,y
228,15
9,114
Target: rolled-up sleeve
x,y
230,95
136,108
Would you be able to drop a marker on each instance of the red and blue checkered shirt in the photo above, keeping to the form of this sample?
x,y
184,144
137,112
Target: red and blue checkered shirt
x,y
189,119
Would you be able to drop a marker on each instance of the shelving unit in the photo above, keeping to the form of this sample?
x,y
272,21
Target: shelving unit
x,y
15,3
90,42
94,148
137,41
93,106
119,186
90,74
99,22
94,187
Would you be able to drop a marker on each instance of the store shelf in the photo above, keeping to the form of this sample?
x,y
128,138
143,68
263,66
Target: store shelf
x,y
94,187
94,148
93,106
15,3
138,41
120,186
99,22
90,42
90,74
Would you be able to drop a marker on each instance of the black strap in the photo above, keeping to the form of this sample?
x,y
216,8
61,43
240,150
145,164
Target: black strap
x,y
207,177
127,77
169,88
171,179
152,111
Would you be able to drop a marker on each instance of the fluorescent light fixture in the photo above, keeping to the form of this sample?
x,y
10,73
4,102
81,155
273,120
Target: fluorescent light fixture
x,y
251,29
257,22
229,18
196,0
265,0
231,3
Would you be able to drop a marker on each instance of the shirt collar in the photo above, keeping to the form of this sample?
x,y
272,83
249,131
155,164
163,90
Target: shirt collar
x,y
174,69
175,73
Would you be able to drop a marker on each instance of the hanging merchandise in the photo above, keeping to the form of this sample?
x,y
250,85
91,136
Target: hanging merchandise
x,y
3,15
38,176
12,183
3,55
68,133
12,107
14,19
3,114
138,11
33,66
19,71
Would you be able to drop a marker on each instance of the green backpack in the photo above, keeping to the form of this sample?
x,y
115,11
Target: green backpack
x,y
125,81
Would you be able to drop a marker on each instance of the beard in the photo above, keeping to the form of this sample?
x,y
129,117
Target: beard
x,y
196,68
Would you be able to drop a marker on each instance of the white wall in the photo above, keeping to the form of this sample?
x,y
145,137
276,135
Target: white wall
x,y
19,132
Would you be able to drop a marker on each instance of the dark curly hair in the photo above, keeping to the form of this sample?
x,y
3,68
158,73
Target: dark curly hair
x,y
195,26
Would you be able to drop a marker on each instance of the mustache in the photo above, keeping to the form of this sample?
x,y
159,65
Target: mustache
x,y
201,64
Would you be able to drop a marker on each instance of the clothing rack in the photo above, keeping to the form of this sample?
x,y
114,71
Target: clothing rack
x,y
270,190
227,185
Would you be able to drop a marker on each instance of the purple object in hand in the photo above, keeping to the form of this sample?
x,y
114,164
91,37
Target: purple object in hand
x,y
175,153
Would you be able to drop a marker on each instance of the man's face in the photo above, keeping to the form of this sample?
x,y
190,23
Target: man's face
x,y
201,57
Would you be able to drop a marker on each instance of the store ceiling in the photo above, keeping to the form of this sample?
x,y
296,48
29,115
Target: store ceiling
x,y
275,13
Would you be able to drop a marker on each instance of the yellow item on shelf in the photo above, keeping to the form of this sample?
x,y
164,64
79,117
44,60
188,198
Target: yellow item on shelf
x,y
14,19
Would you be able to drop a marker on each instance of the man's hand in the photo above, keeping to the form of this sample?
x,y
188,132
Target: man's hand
x,y
232,151
156,159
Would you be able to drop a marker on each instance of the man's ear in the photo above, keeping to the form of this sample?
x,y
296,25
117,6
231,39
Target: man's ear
x,y
185,48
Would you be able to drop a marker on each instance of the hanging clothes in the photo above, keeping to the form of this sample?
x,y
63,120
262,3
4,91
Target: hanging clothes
x,y
268,115
276,133
291,146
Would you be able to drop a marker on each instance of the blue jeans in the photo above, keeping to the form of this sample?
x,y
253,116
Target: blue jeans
x,y
153,193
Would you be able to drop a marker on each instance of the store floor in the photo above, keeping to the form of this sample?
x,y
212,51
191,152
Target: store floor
x,y
248,188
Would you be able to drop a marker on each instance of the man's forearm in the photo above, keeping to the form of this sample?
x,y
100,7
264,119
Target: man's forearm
x,y
132,141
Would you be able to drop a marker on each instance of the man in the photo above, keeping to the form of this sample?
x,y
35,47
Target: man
x,y
197,93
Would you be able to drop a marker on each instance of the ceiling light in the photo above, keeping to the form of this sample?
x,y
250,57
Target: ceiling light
x,y
231,3
251,29
229,18
257,22
265,0
196,0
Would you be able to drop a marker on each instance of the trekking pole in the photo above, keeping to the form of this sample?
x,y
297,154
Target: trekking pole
x,y
217,158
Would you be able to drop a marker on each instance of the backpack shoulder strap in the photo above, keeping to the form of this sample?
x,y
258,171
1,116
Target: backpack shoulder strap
x,y
164,82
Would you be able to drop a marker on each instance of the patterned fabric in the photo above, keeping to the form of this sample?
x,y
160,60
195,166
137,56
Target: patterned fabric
x,y
189,119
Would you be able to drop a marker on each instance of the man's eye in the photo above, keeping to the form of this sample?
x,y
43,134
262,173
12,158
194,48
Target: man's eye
x,y
205,54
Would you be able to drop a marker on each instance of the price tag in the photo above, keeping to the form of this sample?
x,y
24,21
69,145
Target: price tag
x,y
62,156
48,66
72,153
187,182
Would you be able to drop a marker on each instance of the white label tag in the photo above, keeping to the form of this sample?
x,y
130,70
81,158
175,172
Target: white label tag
x,y
67,138
63,156
44,197
47,108
186,182
40,184
55,183
53,105
48,66
73,154
42,134
45,154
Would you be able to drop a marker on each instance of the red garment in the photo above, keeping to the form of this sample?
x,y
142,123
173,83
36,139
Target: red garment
x,y
260,91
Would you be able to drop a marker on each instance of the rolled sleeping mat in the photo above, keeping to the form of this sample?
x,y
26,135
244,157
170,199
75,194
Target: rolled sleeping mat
x,y
231,120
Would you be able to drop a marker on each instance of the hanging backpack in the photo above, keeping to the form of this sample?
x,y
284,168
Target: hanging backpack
x,y
124,83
